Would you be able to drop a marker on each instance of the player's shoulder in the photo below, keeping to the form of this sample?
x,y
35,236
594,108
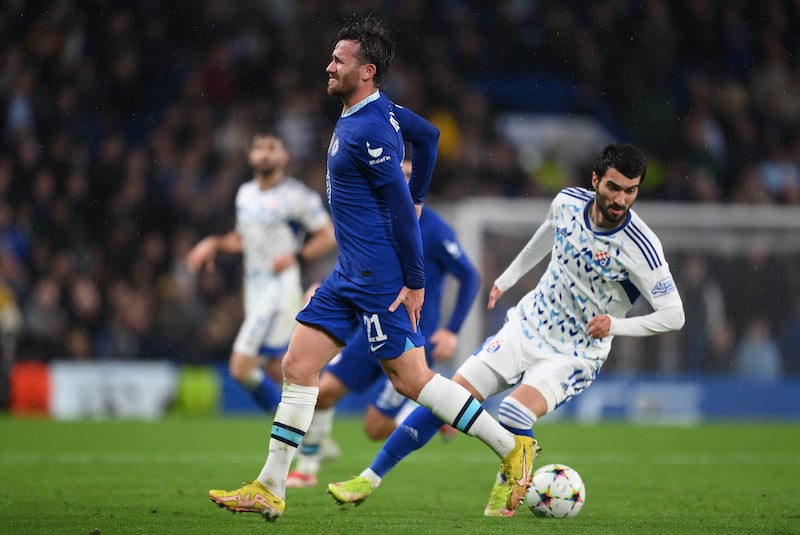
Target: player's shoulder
x,y
645,240
432,219
575,194
247,188
290,182
638,225
433,225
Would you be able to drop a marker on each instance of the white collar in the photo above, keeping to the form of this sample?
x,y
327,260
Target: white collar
x,y
355,107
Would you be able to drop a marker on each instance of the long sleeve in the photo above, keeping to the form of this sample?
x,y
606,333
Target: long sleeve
x,y
534,251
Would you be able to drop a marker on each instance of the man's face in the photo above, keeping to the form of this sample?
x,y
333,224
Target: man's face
x,y
616,193
267,153
345,74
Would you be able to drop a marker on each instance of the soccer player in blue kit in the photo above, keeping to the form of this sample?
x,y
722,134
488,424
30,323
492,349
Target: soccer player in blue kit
x,y
355,369
379,268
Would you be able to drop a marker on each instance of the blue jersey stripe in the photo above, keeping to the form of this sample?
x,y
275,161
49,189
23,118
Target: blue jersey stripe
x,y
577,193
645,245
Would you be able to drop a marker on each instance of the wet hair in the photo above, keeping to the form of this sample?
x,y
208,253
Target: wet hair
x,y
375,44
625,158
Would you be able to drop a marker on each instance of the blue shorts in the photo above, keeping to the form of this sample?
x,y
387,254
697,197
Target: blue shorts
x,y
339,307
359,371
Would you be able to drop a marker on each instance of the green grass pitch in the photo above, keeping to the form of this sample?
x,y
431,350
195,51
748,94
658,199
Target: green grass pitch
x,y
106,478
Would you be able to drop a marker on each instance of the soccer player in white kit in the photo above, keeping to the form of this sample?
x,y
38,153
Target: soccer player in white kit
x,y
554,341
275,213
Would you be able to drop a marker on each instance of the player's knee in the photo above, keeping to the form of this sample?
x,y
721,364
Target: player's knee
x,y
326,399
404,387
239,369
378,430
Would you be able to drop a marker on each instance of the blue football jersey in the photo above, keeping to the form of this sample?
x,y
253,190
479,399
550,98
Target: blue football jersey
x,y
365,153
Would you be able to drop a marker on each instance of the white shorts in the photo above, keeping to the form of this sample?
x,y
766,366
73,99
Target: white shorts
x,y
266,332
509,358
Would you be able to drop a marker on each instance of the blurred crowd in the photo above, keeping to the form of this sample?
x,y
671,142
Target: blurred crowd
x,y
123,127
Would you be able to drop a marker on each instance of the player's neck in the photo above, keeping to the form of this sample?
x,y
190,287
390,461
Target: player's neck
x,y
356,98
269,180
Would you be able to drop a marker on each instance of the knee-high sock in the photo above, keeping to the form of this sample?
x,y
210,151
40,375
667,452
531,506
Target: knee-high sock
x,y
516,417
263,389
415,431
308,456
454,405
291,422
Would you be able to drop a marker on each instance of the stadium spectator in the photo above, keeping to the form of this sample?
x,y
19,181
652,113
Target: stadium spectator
x,y
137,105
758,355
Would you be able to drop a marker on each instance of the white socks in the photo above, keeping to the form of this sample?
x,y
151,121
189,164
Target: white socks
x,y
292,420
454,405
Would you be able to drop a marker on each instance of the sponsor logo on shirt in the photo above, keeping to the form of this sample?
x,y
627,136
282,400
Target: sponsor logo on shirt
x,y
376,155
562,231
334,145
663,287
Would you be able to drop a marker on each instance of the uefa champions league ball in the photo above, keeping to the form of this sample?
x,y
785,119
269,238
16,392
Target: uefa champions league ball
x,y
557,491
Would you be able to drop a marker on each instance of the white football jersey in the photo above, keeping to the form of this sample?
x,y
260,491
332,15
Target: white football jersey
x,y
273,222
592,272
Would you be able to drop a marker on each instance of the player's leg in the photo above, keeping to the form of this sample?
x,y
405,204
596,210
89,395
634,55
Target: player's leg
x,y
515,414
415,430
456,406
248,370
548,383
460,407
323,325
386,404
354,369
309,458
262,338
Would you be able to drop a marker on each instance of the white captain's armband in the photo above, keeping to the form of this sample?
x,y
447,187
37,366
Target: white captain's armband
x,y
663,287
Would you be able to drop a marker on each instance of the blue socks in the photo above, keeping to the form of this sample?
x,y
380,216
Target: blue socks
x,y
414,432
267,394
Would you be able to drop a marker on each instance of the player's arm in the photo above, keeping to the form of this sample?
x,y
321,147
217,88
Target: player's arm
x,y
406,231
458,264
538,247
318,243
424,139
668,315
204,253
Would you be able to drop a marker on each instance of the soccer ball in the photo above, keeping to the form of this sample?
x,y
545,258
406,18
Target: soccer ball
x,y
557,491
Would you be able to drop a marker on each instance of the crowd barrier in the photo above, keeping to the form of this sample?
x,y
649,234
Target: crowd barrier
x,y
68,390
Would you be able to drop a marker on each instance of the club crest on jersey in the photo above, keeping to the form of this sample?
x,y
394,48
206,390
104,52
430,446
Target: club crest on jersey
x,y
491,345
602,258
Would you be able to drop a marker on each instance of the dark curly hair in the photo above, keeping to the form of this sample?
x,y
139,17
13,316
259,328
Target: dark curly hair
x,y
376,44
625,158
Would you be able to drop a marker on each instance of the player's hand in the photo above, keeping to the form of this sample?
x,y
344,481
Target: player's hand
x,y
444,344
202,255
600,326
494,295
283,261
412,300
